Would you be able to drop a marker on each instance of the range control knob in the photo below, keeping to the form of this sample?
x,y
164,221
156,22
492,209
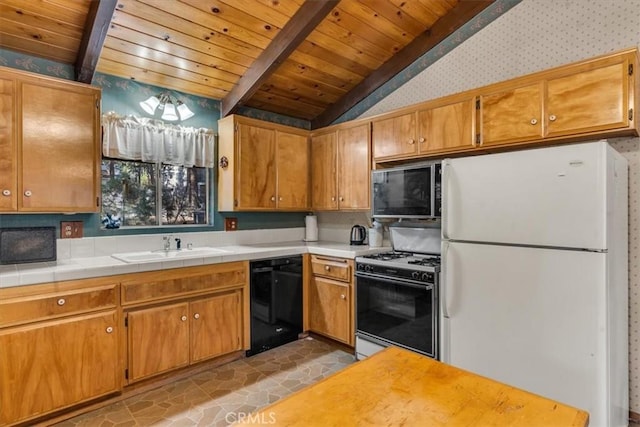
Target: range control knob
x,y
368,268
415,275
360,267
425,277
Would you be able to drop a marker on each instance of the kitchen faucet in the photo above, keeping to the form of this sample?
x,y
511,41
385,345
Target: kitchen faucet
x,y
167,242
178,242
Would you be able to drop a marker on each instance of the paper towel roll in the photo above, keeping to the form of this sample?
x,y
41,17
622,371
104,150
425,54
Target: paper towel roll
x,y
311,228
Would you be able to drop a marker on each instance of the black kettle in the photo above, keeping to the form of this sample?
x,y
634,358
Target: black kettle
x,y
358,235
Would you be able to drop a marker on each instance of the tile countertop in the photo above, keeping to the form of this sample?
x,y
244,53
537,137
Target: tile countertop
x,y
83,268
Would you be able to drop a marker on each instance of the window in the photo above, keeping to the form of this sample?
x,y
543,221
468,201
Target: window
x,y
148,194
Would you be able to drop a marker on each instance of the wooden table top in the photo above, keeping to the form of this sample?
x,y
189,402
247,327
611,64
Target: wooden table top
x,y
396,387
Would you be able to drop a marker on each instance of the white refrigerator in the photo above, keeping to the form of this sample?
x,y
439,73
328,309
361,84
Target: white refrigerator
x,y
534,288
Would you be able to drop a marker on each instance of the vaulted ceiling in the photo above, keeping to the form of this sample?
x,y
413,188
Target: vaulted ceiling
x,y
312,60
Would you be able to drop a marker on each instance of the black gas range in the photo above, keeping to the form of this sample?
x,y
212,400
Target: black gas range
x,y
397,296
400,264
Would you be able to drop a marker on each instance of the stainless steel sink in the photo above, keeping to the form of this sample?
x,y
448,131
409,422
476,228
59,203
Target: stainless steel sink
x,y
161,255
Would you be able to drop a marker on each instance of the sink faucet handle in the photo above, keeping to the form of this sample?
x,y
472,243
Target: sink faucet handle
x,y
178,242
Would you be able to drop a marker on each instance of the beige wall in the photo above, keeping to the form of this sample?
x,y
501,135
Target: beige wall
x,y
533,36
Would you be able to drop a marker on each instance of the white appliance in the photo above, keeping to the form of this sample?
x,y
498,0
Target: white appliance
x,y
534,273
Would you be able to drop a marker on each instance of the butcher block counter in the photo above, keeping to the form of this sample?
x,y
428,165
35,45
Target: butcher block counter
x,y
396,387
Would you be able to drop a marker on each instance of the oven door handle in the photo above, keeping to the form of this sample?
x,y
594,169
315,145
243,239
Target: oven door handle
x,y
398,282
445,282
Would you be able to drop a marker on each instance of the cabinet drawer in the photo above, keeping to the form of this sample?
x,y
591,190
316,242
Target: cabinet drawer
x,y
162,285
28,309
334,268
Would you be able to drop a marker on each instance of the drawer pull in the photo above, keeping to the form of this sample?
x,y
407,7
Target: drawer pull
x,y
552,118
343,296
196,316
534,121
183,318
109,329
28,193
326,267
61,301
6,193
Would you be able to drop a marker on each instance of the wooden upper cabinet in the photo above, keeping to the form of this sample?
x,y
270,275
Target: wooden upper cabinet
x,y
8,154
324,184
354,167
256,176
55,163
262,166
592,99
292,160
511,115
394,136
448,127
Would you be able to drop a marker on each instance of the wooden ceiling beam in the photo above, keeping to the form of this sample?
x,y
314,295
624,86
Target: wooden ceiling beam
x,y
95,32
441,29
308,16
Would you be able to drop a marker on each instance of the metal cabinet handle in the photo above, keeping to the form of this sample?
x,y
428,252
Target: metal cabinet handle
x,y
343,296
333,199
411,141
183,318
196,316
552,118
6,193
28,193
421,140
109,329
273,198
342,199
280,198
534,121
327,268
61,301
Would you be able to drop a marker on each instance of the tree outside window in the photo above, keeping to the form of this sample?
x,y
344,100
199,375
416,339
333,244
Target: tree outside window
x,y
147,194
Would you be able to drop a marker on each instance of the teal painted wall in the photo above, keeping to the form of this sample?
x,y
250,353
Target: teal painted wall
x,y
123,97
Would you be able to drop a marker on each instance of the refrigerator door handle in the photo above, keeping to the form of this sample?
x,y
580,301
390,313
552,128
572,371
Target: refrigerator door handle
x,y
446,166
443,288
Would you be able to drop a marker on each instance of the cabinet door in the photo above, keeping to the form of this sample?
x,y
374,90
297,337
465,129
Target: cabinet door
x,y
60,148
447,128
589,101
293,171
8,159
53,365
158,340
256,174
323,172
216,325
394,137
354,169
511,115
329,308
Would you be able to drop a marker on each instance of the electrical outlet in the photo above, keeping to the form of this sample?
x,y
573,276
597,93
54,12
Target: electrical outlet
x,y
70,229
230,224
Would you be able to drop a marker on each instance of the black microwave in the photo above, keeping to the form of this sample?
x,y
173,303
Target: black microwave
x,y
407,192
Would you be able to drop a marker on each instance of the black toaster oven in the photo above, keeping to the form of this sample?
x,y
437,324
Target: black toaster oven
x,y
27,244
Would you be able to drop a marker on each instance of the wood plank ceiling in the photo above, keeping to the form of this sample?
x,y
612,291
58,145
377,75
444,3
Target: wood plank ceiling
x,y
311,60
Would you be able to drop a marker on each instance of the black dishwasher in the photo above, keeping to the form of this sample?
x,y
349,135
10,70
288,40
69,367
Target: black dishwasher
x,y
276,302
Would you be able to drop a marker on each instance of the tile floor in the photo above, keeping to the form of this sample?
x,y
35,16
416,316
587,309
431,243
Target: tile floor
x,y
219,396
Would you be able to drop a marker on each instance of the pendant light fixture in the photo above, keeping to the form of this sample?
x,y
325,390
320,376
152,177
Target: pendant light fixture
x,y
172,108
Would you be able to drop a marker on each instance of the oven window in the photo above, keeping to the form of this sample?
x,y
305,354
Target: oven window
x,y
398,313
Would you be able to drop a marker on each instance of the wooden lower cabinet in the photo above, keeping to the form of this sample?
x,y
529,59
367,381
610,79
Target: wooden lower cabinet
x,y
52,365
216,326
158,340
171,336
329,308
329,298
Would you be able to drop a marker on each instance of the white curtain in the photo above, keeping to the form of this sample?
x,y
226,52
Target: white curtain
x,y
154,141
